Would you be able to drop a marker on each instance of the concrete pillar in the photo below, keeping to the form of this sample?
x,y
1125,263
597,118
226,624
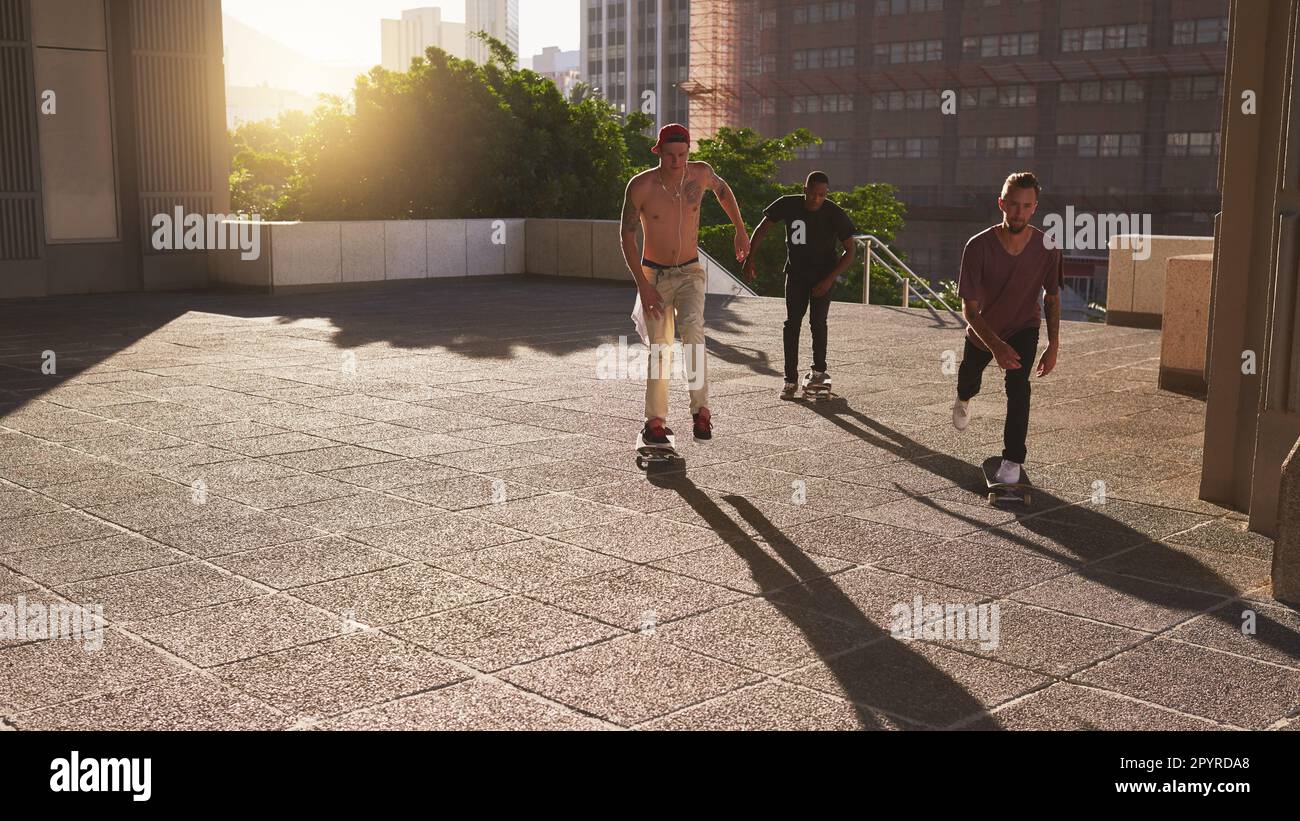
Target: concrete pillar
x,y
1186,324
1245,421
1286,555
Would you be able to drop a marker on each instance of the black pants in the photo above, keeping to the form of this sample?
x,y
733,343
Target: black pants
x,y
971,377
798,299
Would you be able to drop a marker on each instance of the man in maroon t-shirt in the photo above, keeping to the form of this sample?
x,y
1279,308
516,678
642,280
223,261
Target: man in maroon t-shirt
x,y
1004,274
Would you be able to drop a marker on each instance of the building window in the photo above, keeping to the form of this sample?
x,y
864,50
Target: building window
x,y
1098,38
1184,89
888,7
914,51
1200,32
1004,146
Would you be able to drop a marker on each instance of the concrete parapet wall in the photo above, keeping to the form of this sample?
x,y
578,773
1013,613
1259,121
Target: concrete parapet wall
x,y
1136,279
1186,324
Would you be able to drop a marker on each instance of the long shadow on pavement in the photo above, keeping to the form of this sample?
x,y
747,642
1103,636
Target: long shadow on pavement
x,y
892,685
1070,525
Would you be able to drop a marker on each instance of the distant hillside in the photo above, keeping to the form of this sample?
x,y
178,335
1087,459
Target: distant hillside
x,y
255,59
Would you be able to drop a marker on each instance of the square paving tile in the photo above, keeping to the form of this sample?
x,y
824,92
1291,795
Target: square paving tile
x,y
174,508
1190,567
853,540
334,458
397,594
502,633
490,460
1149,520
1227,536
1121,600
1070,707
340,675
636,598
289,491
159,591
465,492
92,559
186,702
392,475
865,597
238,630
349,513
779,707
634,494
544,515
437,536
19,504
947,519
766,636
572,475
51,530
521,566
641,538
751,566
478,704
1056,540
918,681
1252,629
45,673
992,571
303,563
1201,682
208,538
630,680
1042,640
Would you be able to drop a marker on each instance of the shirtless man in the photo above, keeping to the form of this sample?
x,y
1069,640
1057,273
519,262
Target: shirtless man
x,y
665,202
1007,272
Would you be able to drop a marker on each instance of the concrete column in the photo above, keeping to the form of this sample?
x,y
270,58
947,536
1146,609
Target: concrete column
x,y
1250,167
1286,555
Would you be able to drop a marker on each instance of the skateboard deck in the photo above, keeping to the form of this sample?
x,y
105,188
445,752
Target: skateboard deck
x,y
1021,491
647,455
820,392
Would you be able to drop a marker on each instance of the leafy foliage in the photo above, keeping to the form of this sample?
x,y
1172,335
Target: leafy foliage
x,y
451,139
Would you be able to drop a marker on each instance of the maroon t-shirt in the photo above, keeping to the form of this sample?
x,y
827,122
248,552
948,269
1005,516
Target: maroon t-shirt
x,y
1009,289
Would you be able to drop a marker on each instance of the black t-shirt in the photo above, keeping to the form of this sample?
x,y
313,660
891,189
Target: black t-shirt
x,y
823,233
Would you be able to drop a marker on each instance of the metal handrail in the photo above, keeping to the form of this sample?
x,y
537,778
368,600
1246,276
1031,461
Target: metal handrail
x,y
873,247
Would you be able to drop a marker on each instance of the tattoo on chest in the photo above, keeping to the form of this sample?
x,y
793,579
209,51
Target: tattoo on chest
x,y
694,191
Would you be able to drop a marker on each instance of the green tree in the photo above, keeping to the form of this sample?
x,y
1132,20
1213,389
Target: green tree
x,y
451,139
264,164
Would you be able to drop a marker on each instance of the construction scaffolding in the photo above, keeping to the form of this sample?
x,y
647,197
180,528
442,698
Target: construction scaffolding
x,y
718,44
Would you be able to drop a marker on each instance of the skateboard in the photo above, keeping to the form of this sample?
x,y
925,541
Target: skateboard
x,y
1021,491
820,392
650,455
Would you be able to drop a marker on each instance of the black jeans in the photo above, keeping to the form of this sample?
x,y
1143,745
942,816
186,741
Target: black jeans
x,y
971,377
798,299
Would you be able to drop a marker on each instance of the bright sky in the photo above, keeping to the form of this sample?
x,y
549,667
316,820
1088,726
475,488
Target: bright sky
x,y
346,32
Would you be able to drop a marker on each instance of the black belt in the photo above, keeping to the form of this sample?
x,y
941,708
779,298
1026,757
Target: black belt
x,y
645,263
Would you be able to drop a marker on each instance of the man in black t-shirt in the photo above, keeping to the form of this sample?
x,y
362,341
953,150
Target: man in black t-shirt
x,y
816,230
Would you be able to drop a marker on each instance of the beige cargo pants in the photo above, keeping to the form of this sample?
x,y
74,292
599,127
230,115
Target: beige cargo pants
x,y
683,290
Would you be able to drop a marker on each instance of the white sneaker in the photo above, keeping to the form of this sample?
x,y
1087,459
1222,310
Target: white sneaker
x,y
1009,473
961,415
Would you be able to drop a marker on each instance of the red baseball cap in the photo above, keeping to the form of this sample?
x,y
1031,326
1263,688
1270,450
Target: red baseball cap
x,y
674,133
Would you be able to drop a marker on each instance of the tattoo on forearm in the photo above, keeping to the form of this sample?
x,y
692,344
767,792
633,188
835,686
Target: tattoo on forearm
x,y
631,217
1053,310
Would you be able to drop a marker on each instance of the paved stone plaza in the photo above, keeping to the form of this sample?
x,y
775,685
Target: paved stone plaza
x,y
418,508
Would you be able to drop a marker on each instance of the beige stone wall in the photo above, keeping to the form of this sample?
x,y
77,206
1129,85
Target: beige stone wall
x,y
1186,323
1136,287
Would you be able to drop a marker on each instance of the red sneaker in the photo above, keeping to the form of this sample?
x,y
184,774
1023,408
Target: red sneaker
x,y
704,425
